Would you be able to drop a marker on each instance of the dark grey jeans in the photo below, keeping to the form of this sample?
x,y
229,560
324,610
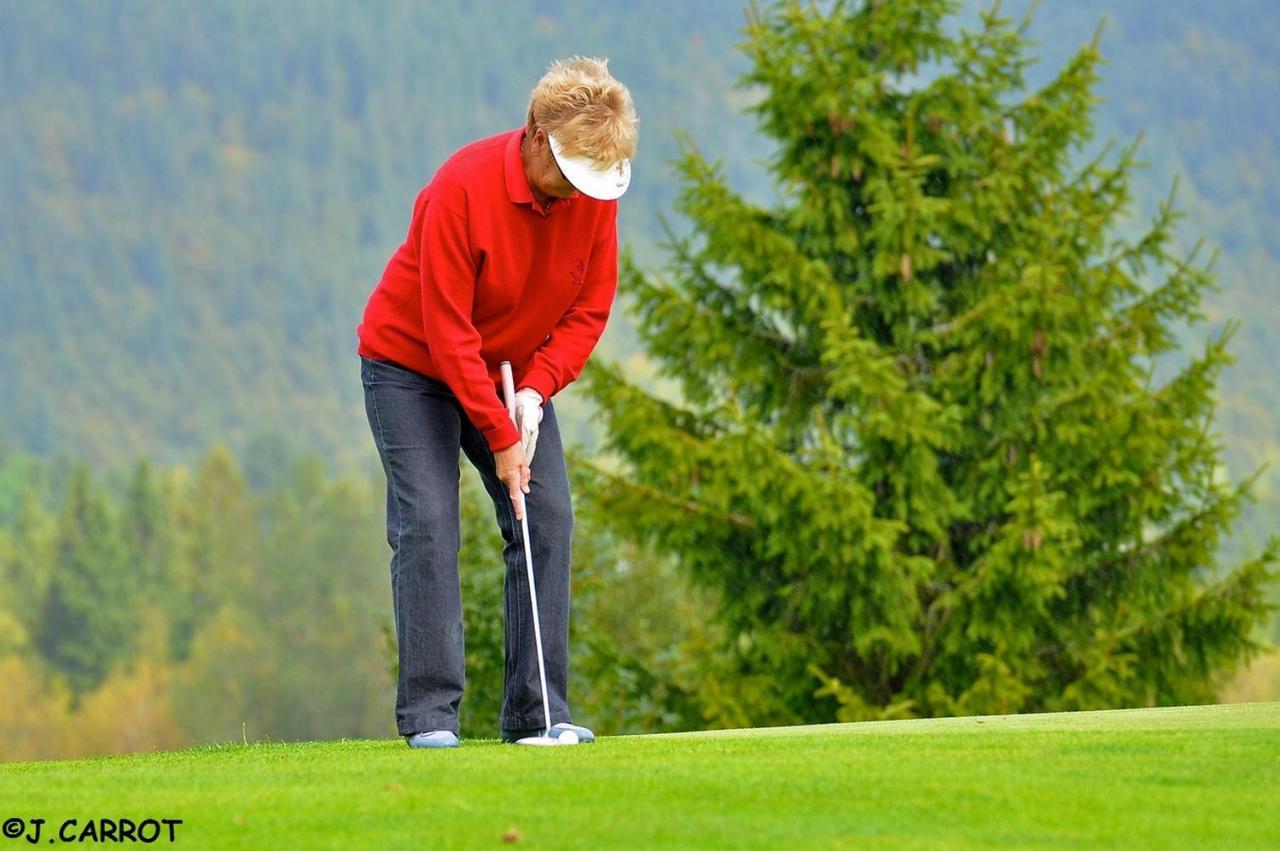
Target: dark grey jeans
x,y
419,427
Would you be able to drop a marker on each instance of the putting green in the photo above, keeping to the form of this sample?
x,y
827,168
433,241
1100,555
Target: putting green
x,y
1194,777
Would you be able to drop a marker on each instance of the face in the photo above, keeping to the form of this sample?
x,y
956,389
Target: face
x,y
543,171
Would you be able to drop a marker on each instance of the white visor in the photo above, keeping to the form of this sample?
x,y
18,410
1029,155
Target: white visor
x,y
602,182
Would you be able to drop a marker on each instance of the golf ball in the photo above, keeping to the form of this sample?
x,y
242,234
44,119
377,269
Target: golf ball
x,y
568,737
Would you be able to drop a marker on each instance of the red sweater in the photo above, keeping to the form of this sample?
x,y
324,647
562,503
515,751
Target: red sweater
x,y
485,275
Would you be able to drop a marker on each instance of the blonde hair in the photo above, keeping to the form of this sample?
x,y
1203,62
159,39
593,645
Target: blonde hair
x,y
590,113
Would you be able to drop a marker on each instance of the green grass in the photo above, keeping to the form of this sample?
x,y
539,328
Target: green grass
x,y
1193,777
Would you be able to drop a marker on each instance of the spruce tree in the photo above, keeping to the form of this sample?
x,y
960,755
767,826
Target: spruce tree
x,y
919,446
148,532
88,620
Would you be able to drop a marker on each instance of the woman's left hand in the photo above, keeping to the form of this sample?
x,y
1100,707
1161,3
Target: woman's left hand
x,y
528,415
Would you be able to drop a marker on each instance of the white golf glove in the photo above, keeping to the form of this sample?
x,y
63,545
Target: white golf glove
x,y
528,415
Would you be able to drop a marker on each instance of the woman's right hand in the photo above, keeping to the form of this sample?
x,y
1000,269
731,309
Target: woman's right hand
x,y
513,470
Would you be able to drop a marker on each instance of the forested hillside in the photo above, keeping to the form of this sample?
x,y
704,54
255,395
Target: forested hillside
x,y
198,198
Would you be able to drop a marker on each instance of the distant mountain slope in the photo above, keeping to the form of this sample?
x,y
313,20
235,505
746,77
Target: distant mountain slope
x,y
198,198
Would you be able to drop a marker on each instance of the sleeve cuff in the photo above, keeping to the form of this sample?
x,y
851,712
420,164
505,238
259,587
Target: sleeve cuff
x,y
540,382
502,437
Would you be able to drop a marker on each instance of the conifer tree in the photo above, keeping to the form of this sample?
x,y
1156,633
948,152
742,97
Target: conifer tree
x,y
218,552
148,531
88,619
25,564
920,448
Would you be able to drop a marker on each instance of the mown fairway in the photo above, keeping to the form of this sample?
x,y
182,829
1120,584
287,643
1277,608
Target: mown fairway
x,y
1193,777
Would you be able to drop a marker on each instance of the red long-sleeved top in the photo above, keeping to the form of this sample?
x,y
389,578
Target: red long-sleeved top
x,y
486,275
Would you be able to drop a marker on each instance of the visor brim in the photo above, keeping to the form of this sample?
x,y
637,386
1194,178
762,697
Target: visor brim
x,y
604,183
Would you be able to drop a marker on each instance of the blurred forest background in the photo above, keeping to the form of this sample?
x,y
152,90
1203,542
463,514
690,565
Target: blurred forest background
x,y
197,200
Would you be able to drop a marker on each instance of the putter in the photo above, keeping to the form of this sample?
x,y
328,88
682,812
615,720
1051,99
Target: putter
x,y
509,394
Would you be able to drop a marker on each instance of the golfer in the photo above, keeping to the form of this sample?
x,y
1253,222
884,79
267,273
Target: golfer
x,y
511,255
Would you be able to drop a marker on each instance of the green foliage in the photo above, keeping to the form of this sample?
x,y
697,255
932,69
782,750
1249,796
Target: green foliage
x,y
220,548
88,621
313,599
28,541
482,573
219,612
645,644
920,451
265,605
148,529
1189,76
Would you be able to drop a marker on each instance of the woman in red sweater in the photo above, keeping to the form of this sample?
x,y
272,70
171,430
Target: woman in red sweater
x,y
511,255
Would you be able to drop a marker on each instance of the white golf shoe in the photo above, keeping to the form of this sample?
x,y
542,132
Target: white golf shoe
x,y
584,735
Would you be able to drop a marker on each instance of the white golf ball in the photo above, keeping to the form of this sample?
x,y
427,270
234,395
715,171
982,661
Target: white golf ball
x,y
568,737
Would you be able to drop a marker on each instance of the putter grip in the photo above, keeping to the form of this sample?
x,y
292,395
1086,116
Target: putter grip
x,y
508,389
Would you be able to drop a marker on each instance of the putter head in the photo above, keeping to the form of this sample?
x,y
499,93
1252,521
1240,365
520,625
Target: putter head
x,y
541,741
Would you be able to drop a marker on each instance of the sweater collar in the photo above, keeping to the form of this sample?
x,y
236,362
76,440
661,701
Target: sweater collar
x,y
518,189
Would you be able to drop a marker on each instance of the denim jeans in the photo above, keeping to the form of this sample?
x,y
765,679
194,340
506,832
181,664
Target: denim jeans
x,y
419,427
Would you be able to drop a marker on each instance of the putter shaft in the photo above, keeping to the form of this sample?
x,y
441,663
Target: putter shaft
x,y
509,394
